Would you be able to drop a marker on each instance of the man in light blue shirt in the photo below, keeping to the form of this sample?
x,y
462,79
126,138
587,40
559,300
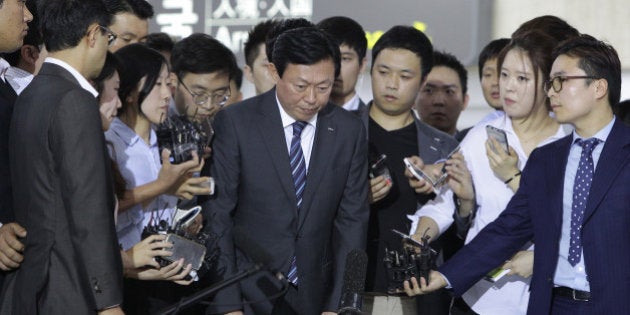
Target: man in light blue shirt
x,y
573,200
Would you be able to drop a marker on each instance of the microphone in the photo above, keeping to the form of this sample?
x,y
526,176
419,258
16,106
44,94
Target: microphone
x,y
353,283
262,260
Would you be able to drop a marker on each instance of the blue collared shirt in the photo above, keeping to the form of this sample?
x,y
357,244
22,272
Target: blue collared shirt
x,y
566,275
139,164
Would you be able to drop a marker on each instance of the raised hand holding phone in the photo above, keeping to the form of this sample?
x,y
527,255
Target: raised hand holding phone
x,y
499,136
419,180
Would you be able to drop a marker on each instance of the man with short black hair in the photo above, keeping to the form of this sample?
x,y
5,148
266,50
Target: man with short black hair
x,y
281,27
290,169
352,42
26,61
489,75
256,68
401,60
65,189
444,94
203,67
131,21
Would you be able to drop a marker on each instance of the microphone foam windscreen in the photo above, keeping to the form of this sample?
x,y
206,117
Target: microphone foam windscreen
x,y
354,275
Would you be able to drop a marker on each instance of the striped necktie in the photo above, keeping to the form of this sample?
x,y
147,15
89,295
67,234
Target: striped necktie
x,y
298,170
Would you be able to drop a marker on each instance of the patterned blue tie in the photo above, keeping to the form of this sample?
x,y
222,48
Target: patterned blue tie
x,y
581,188
298,170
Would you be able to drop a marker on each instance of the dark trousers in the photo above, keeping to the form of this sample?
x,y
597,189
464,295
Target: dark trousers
x,y
567,306
434,303
459,307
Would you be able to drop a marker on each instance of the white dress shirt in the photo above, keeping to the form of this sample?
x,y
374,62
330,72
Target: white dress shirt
x,y
510,294
307,136
82,81
352,104
4,66
18,79
139,164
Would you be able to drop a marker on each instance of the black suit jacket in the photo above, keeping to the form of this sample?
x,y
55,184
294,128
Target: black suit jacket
x,y
255,192
62,183
7,98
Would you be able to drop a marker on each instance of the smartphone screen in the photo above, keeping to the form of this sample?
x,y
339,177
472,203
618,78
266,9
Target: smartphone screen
x,y
498,135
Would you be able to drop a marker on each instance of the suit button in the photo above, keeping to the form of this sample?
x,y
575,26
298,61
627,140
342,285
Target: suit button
x,y
549,279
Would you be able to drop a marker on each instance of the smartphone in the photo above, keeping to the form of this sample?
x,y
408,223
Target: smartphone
x,y
499,136
376,167
440,181
419,174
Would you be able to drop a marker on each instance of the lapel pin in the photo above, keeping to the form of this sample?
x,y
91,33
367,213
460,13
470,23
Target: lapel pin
x,y
331,129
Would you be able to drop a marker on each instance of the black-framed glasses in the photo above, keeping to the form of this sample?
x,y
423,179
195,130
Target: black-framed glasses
x,y
111,36
218,98
556,82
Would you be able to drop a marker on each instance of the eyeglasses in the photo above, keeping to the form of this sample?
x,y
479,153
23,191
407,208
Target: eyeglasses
x,y
556,82
218,98
111,36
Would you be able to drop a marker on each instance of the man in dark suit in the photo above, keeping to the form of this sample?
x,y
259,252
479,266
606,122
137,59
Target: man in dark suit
x,y
64,189
350,37
264,148
14,16
573,199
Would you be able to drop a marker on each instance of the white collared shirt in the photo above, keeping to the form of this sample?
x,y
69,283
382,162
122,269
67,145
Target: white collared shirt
x,y
4,65
509,295
353,103
307,137
18,78
82,81
139,164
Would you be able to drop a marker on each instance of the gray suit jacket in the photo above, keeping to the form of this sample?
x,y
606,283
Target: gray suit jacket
x,y
255,192
63,192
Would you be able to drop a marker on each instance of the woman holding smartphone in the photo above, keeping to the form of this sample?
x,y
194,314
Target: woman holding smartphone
x,y
486,173
138,261
153,183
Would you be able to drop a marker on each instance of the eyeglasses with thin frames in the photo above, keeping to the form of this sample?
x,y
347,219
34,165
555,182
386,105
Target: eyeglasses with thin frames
x,y
218,98
556,82
111,36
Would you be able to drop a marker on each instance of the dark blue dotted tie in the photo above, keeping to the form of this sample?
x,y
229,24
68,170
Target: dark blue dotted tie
x,y
298,170
581,188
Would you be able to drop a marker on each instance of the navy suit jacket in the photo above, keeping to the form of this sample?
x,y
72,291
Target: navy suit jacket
x,y
535,212
255,192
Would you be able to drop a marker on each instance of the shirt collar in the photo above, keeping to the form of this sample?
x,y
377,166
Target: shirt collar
x,y
352,104
287,120
602,134
82,81
18,78
127,134
4,65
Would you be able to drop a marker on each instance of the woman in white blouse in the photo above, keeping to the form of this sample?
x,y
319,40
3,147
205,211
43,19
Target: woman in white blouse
x,y
524,68
153,183
138,261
